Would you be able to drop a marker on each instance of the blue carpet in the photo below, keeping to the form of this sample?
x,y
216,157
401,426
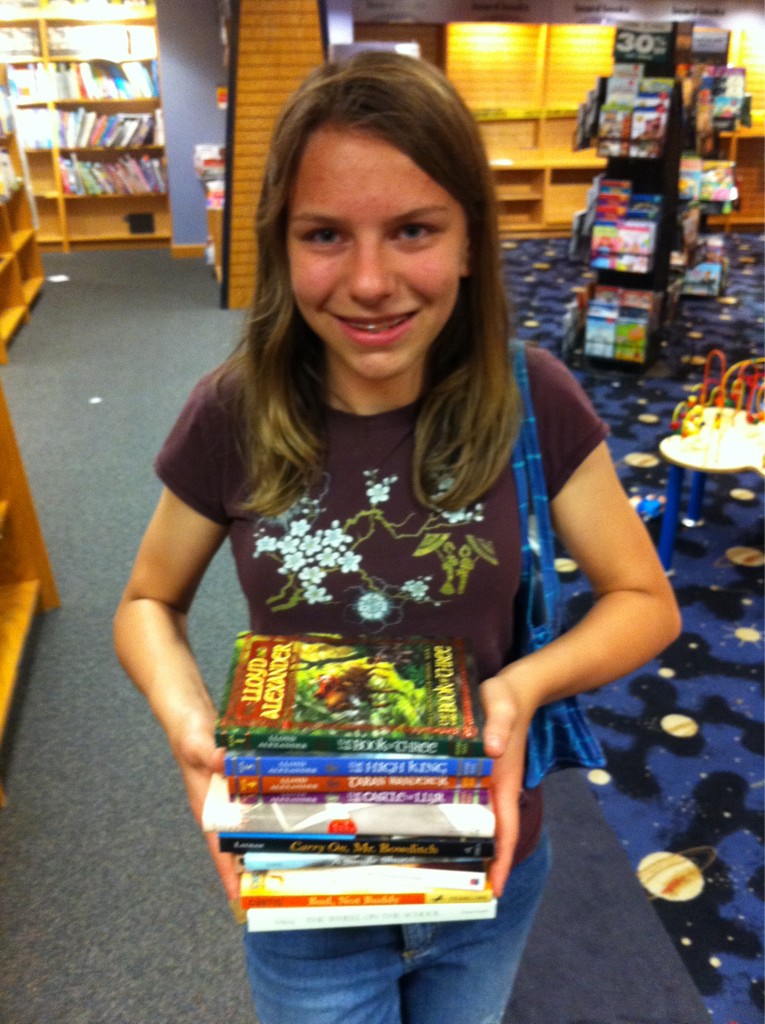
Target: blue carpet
x,y
690,800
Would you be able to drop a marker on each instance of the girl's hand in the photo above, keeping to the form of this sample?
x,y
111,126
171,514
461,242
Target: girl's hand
x,y
199,758
505,732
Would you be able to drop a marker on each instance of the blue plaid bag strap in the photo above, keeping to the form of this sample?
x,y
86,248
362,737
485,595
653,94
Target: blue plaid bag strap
x,y
559,735
538,574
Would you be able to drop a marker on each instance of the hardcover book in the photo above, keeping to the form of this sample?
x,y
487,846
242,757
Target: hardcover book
x,y
351,695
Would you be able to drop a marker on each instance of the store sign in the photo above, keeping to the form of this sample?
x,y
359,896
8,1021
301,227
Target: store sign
x,y
642,42
730,14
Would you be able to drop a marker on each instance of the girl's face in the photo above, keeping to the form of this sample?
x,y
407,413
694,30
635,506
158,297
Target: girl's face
x,y
376,251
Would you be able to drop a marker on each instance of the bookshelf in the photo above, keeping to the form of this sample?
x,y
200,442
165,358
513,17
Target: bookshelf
x,y
87,98
27,585
21,271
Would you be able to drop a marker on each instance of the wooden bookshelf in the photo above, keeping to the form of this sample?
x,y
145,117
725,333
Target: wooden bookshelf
x,y
27,585
745,148
21,270
64,74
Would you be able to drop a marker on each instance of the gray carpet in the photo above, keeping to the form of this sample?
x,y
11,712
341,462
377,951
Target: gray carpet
x,y
110,912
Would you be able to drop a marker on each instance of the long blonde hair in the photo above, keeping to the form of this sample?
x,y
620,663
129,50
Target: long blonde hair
x,y
470,406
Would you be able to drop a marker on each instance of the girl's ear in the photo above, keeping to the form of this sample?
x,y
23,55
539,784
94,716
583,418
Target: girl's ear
x,y
465,268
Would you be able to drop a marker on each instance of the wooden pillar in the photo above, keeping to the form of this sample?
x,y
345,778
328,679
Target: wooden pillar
x,y
278,43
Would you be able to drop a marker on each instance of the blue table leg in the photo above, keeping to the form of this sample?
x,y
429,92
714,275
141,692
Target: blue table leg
x,y
671,512
693,515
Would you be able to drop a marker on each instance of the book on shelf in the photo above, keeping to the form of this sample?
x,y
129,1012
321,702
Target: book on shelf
x,y
223,813
405,848
316,693
327,765
270,785
288,918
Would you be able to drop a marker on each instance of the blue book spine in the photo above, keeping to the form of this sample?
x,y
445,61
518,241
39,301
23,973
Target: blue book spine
x,y
318,764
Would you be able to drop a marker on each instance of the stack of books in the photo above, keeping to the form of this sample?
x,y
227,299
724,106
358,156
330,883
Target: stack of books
x,y
356,791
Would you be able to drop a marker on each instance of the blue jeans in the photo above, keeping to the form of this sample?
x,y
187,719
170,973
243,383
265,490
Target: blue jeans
x,y
460,972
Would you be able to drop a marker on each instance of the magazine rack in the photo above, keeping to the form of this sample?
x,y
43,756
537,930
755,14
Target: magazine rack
x,y
653,173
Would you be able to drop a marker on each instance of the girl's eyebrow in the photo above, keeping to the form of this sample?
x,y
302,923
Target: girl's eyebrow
x,y
410,215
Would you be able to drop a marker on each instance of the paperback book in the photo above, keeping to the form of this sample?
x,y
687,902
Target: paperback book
x,y
375,796
375,878
289,918
223,813
405,848
257,899
315,693
471,871
390,765
287,785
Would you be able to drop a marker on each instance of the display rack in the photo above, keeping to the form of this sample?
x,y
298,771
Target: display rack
x,y
27,585
642,139
88,105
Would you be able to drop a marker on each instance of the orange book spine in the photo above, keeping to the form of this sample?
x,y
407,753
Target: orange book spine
x,y
366,899
255,785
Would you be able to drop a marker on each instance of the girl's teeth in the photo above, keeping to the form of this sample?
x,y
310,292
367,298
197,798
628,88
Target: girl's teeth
x,y
375,328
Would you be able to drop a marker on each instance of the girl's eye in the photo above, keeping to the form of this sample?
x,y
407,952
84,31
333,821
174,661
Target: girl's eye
x,y
323,236
413,232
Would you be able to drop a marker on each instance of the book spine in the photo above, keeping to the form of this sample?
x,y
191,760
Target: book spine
x,y
251,764
295,861
420,848
409,796
366,899
378,879
253,785
286,919
299,742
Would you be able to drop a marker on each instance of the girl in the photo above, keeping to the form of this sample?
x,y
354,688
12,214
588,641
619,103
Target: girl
x,y
355,450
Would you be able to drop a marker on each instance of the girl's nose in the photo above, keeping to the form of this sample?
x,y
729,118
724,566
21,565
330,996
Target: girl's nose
x,y
370,273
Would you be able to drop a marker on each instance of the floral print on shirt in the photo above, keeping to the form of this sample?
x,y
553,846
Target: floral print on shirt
x,y
309,555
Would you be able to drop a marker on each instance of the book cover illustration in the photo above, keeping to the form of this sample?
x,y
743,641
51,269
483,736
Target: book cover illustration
x,y
319,693
222,813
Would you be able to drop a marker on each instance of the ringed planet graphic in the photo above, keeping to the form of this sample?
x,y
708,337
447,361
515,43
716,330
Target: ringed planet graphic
x,y
679,725
676,877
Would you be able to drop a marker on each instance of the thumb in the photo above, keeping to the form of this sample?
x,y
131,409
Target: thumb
x,y
500,718
217,761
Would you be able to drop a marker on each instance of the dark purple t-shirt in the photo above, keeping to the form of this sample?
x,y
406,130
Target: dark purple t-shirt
x,y
359,554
